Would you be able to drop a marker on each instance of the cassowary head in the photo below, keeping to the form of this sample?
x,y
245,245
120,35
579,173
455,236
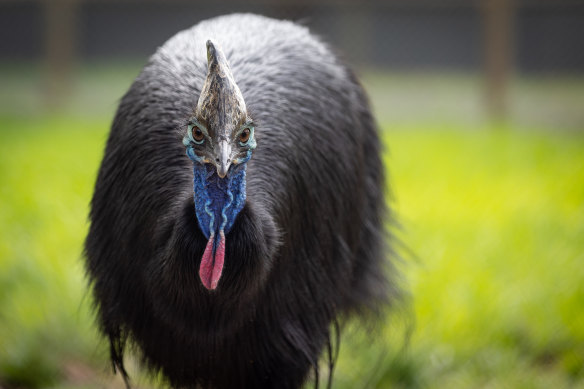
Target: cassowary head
x,y
219,140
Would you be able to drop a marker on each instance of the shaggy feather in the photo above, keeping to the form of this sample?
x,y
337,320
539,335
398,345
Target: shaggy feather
x,y
306,249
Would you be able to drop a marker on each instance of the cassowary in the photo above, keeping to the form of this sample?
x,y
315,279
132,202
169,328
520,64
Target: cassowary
x,y
239,209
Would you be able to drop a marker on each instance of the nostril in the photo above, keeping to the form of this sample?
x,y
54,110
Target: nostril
x,y
217,159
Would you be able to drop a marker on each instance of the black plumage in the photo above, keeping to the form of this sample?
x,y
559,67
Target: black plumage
x,y
307,248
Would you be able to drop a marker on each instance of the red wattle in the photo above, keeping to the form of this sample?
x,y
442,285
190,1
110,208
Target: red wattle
x,y
219,258
206,268
212,263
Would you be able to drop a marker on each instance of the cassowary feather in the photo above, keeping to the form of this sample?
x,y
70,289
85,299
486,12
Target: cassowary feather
x,y
307,246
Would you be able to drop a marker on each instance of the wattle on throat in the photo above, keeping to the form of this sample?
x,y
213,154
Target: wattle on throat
x,y
217,203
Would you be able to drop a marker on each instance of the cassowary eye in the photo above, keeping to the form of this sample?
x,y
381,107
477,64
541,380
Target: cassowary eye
x,y
198,135
244,136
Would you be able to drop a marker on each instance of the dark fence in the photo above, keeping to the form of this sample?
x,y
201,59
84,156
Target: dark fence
x,y
399,34
497,38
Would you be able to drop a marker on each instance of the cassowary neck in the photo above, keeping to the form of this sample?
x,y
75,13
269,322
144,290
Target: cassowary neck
x,y
217,203
218,200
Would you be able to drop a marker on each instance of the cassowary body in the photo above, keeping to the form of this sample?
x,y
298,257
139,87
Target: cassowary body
x,y
228,263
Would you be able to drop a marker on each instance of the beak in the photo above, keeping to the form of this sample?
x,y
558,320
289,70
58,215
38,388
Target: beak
x,y
223,158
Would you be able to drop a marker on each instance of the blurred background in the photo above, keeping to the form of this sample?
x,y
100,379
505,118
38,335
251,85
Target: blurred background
x,y
481,108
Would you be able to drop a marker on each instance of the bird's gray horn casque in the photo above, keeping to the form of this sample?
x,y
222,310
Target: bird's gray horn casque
x,y
221,105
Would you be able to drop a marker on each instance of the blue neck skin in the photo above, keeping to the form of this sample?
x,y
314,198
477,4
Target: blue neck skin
x,y
217,200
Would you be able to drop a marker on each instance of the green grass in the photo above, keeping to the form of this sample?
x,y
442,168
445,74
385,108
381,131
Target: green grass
x,y
497,221
46,169
495,218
